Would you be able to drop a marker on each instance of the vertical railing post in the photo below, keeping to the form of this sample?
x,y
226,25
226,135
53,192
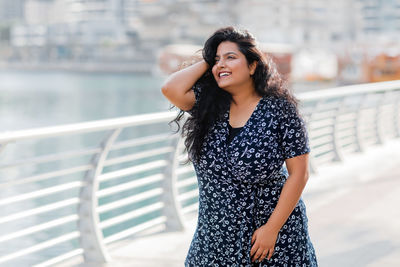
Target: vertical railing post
x,y
311,158
396,114
357,126
337,149
380,139
315,109
172,208
2,146
91,237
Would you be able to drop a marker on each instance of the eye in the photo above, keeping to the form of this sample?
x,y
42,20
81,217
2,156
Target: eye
x,y
230,57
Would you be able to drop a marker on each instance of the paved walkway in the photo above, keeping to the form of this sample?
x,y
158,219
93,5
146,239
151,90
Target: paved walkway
x,y
353,217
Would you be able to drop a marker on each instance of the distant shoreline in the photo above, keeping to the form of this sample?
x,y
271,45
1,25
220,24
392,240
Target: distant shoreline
x,y
88,67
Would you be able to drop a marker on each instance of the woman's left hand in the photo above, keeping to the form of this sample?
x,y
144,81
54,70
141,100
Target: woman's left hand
x,y
263,243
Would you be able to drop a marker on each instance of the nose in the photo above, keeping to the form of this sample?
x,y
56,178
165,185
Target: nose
x,y
220,63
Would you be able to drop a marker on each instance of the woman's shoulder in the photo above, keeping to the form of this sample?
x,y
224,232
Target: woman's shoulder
x,y
278,103
280,107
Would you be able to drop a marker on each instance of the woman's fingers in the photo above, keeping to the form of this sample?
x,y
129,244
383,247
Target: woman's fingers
x,y
263,255
271,252
257,254
266,253
253,238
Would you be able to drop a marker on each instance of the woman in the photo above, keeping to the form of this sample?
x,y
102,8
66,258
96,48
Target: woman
x,y
244,125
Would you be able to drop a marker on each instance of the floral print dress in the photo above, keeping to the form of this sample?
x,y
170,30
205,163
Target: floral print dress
x,y
239,185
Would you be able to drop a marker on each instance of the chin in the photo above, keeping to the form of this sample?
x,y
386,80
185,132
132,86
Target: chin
x,y
223,84
225,88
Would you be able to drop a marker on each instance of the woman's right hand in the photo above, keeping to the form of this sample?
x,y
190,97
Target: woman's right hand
x,y
177,87
192,60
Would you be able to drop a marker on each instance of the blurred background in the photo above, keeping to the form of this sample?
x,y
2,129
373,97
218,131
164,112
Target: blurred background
x,y
65,61
70,61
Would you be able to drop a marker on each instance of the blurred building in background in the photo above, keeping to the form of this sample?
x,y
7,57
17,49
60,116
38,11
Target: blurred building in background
x,y
11,11
378,21
301,22
330,38
60,30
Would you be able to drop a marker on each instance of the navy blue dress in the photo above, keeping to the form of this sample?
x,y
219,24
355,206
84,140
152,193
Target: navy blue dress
x,y
239,185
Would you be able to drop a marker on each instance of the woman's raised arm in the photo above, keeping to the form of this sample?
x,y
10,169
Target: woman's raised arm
x,y
176,87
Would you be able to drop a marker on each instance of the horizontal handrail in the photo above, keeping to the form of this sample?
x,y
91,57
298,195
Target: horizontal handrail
x,y
136,229
130,215
349,90
60,258
143,141
132,170
47,175
41,192
86,127
35,211
129,200
40,227
130,185
41,246
139,155
186,182
52,157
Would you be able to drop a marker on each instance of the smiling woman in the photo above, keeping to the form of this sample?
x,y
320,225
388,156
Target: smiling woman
x,y
231,70
250,206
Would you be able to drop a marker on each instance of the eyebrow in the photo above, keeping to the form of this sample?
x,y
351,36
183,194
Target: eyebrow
x,y
227,54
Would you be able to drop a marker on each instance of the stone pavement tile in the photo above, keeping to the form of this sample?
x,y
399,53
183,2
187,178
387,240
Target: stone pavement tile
x,y
359,227
164,249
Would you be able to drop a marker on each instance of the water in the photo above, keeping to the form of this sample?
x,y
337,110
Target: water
x,y
36,99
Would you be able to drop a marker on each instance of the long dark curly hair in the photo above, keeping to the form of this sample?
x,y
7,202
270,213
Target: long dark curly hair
x,y
214,101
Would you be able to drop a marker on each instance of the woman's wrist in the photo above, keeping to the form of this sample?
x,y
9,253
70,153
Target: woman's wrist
x,y
195,63
203,63
273,226
200,66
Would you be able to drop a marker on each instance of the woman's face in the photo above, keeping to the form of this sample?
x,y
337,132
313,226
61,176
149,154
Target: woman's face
x,y
231,67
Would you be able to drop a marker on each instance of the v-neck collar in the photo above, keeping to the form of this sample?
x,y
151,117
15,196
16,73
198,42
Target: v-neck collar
x,y
243,128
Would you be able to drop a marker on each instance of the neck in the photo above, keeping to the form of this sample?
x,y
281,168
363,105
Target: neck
x,y
244,94
244,98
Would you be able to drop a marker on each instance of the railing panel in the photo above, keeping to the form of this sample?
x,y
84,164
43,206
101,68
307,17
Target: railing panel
x,y
60,166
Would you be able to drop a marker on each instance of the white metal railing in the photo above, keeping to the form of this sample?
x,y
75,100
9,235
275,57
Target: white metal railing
x,y
94,192
347,119
70,191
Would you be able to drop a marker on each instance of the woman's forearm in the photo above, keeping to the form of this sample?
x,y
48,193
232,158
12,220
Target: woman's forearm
x,y
181,81
288,199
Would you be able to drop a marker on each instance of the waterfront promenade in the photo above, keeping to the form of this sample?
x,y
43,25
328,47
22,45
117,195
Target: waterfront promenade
x,y
353,217
107,190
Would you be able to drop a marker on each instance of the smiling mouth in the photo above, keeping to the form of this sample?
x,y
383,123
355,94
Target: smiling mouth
x,y
224,75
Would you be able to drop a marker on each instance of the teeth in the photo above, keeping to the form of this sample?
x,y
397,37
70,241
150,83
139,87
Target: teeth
x,y
224,74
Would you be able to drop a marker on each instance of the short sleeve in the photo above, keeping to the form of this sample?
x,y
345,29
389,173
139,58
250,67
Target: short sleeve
x,y
293,132
197,91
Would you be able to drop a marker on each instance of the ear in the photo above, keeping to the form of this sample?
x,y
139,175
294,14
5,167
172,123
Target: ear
x,y
253,67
